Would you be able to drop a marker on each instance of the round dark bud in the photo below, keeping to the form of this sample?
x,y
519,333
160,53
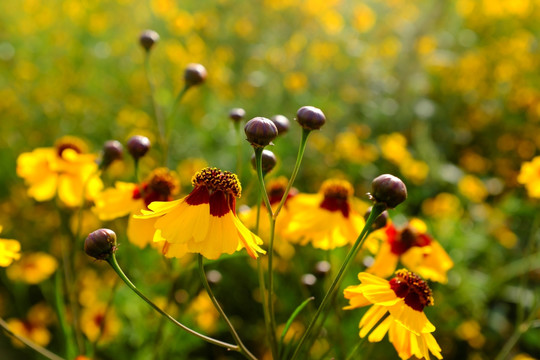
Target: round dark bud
x,y
282,123
260,131
388,190
194,74
237,114
379,222
138,146
310,117
112,150
100,244
322,268
268,161
148,38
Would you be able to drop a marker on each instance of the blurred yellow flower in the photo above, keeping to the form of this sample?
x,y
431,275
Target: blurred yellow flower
x,y
415,249
402,300
9,251
129,198
64,169
471,331
414,170
99,322
205,221
32,268
472,188
275,189
328,219
529,175
444,205
34,327
364,18
204,312
394,147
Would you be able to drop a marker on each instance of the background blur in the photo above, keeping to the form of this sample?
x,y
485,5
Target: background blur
x,y
445,95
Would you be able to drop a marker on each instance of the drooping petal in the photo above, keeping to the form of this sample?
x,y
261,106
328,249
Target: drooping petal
x,y
117,202
222,238
371,318
378,333
414,320
249,240
140,232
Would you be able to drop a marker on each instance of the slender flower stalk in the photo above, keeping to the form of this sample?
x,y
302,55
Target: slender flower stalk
x,y
302,148
158,115
378,208
46,353
70,345
241,347
114,264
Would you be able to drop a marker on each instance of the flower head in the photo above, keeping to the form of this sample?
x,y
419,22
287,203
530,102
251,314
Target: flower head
x,y
32,268
415,248
328,219
9,251
205,221
64,169
399,303
529,175
34,326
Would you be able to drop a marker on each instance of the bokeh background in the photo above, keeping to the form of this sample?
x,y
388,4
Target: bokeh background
x,y
445,95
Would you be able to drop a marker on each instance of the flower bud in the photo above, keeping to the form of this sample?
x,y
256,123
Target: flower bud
x,y
310,118
237,114
194,74
282,123
112,150
268,161
100,244
380,221
389,190
138,146
260,131
148,38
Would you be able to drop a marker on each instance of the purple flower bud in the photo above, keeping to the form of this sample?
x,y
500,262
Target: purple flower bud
x,y
389,190
260,131
310,118
100,244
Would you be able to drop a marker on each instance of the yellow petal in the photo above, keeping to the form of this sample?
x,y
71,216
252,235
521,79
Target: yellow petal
x,y
414,320
223,238
140,232
381,330
249,240
371,318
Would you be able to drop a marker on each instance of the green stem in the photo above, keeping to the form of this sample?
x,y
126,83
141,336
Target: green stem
x,y
242,348
518,331
61,311
377,209
301,149
239,142
114,264
46,353
157,110
271,326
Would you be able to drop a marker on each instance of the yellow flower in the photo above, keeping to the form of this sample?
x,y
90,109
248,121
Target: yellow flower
x,y
529,175
205,221
400,304
99,322
415,249
204,312
472,188
327,219
63,169
34,327
33,268
9,251
275,190
129,198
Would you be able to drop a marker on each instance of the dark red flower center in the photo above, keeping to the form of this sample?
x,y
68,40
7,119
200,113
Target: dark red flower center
x,y
402,240
160,186
410,287
276,189
336,196
66,143
217,188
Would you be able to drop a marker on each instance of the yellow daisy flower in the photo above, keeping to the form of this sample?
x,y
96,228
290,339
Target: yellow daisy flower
x,y
529,175
34,327
275,189
99,322
399,303
205,221
64,169
9,251
415,249
327,219
130,198
32,268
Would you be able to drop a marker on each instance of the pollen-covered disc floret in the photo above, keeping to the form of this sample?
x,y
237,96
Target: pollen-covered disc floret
x,y
160,186
336,194
216,180
412,289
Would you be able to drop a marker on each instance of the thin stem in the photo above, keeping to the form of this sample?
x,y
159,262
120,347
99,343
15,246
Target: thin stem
x,y
30,343
61,310
170,119
155,106
242,347
301,149
518,331
114,264
239,142
271,326
377,209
